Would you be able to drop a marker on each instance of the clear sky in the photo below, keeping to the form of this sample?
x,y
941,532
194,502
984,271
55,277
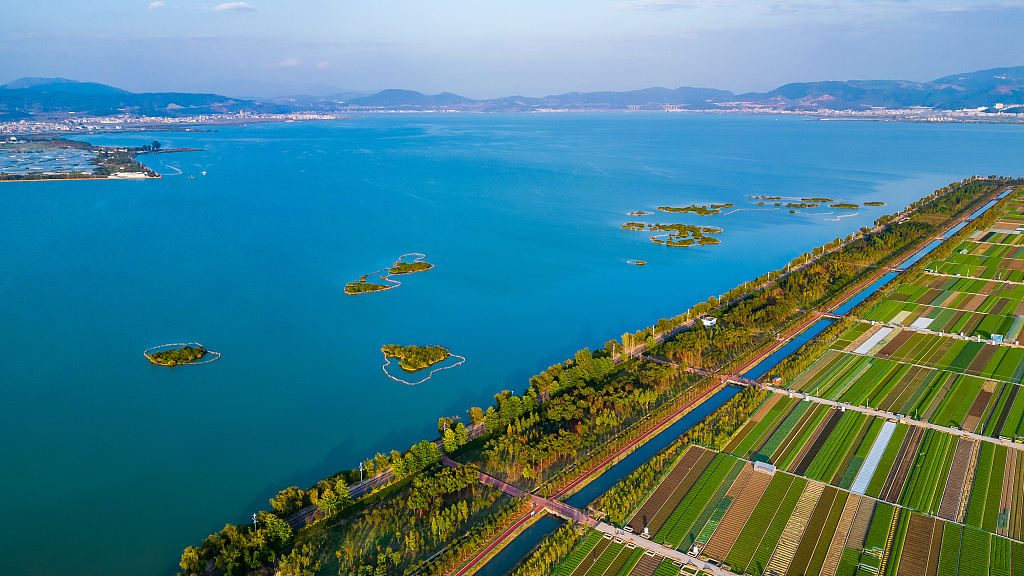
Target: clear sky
x,y
487,48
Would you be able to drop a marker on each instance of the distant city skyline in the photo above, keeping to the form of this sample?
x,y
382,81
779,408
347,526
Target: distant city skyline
x,y
487,50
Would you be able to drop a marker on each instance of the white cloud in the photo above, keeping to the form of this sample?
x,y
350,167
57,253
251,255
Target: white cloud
x,y
323,65
236,6
289,62
156,4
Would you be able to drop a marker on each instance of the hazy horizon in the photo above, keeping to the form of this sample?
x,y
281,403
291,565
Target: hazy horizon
x,y
480,50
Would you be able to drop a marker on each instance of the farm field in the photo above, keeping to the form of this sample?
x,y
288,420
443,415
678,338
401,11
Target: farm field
x,y
804,488
947,381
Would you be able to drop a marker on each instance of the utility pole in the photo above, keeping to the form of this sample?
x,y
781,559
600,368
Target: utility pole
x,y
253,521
360,471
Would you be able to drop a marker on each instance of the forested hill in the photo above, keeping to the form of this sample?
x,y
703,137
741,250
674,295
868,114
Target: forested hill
x,y
970,90
25,97
985,88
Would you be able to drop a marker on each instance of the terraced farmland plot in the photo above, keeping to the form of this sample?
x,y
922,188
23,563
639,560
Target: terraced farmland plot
x,y
697,508
590,558
599,567
925,487
916,558
736,517
579,553
687,504
774,498
748,438
654,503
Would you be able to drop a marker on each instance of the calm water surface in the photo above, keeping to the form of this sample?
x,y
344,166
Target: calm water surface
x,y
111,465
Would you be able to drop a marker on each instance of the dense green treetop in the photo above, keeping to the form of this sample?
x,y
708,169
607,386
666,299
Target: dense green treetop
x,y
182,355
414,358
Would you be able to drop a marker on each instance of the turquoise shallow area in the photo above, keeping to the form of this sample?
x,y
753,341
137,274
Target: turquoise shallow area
x,y
111,465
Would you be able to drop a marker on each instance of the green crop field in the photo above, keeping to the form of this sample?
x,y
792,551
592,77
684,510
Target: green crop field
x,y
961,396
746,544
771,536
995,490
631,562
775,440
949,553
1012,427
667,569
1000,562
606,559
897,543
764,427
579,553
979,491
697,498
832,453
974,552
1017,558
924,490
690,529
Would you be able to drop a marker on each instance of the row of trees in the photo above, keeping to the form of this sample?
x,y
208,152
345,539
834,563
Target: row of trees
x,y
715,431
398,533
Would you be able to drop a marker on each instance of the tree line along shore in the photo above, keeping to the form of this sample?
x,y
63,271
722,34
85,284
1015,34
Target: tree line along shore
x,y
421,517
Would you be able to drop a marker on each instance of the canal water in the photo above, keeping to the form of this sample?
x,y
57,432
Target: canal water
x,y
527,539
770,362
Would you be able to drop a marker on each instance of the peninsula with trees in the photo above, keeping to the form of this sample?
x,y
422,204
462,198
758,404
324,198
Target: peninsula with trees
x,y
29,158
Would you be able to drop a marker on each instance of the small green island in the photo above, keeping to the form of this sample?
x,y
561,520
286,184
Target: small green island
x,y
762,197
409,267
677,234
699,210
362,285
876,203
817,200
176,356
415,358
845,206
802,205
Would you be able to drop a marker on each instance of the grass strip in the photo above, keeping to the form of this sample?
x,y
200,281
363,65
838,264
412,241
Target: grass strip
x,y
979,490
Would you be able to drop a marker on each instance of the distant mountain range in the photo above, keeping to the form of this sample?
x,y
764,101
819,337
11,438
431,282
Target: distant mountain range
x,y
986,88
29,97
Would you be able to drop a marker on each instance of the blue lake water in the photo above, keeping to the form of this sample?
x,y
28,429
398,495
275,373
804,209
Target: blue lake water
x,y
114,465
